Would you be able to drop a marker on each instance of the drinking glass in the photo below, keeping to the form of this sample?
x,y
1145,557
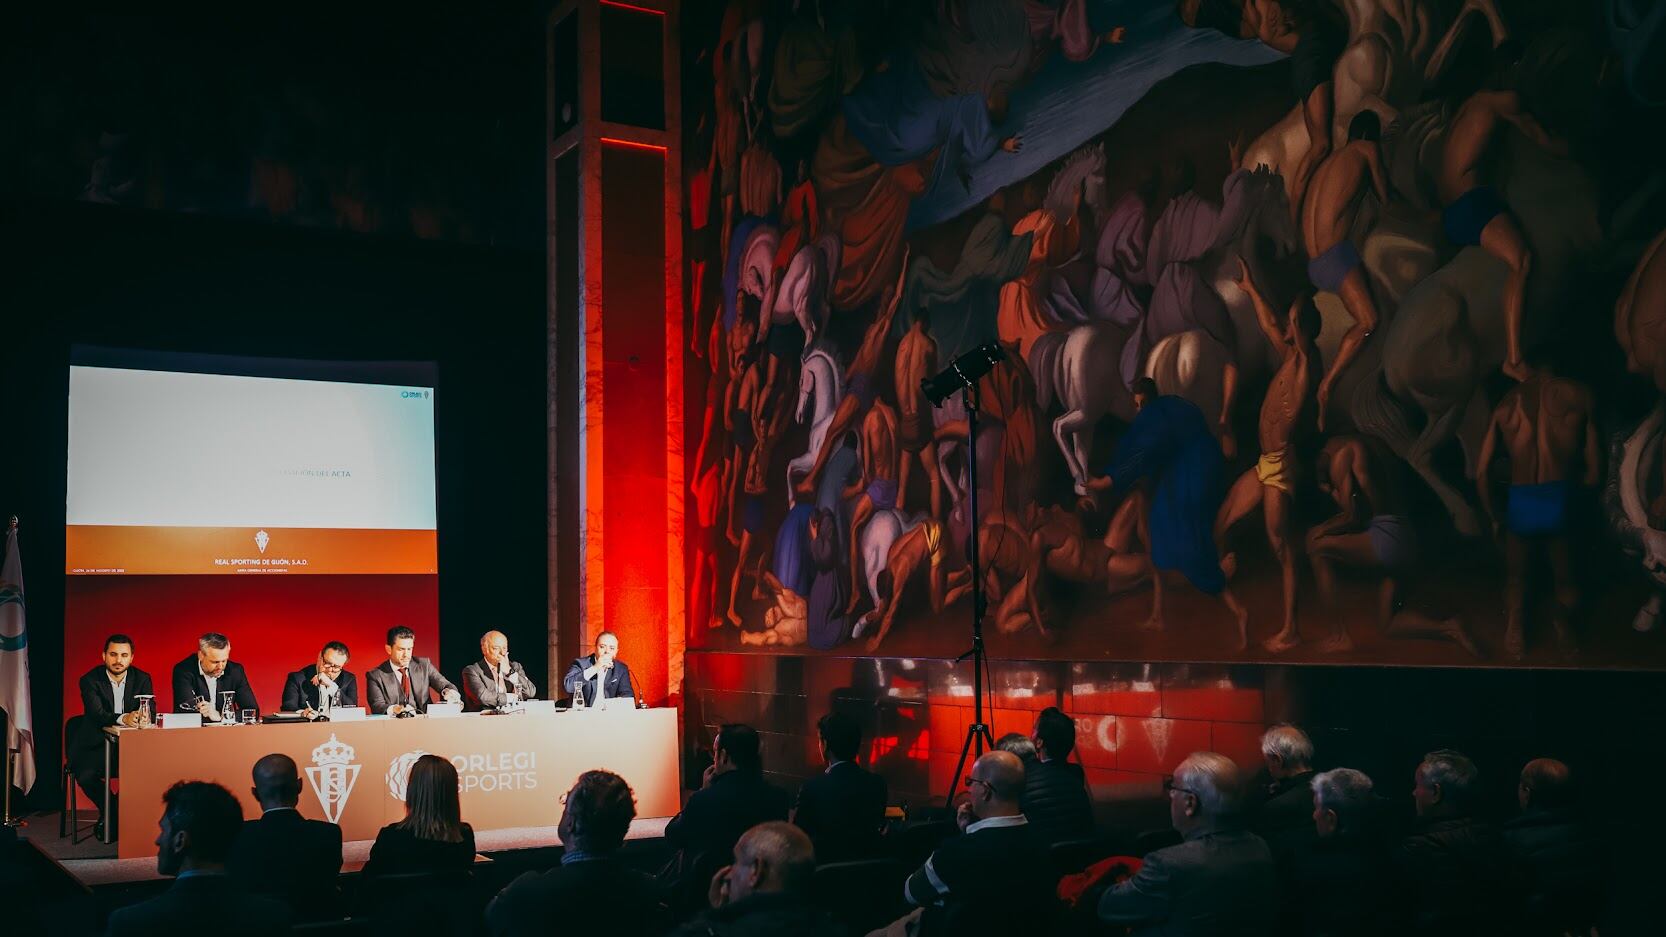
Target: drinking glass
x,y
249,717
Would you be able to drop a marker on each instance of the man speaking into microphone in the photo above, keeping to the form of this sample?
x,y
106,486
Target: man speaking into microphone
x,y
601,677
328,677
495,681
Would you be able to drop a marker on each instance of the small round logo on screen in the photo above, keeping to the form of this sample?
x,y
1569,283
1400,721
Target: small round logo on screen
x,y
399,773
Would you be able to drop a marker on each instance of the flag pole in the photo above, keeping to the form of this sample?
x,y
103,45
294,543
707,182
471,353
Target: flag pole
x,y
9,820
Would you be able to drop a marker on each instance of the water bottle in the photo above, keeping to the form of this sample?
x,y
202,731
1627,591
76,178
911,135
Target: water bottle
x,y
578,700
228,709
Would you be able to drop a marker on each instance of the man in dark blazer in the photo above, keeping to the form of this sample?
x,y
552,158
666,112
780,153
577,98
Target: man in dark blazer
x,y
200,821
305,688
600,675
733,798
494,680
843,808
109,696
283,854
402,683
208,673
1055,788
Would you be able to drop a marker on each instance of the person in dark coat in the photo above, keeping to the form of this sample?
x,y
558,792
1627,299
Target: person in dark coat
x,y
208,673
1555,859
843,808
433,836
1341,883
110,696
733,798
283,854
827,622
1055,789
1284,817
765,892
1452,864
594,820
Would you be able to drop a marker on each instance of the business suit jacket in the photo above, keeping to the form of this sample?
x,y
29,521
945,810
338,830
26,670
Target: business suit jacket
x,y
382,684
299,691
480,690
718,814
544,902
98,704
1056,800
189,682
618,681
1217,882
191,904
287,856
842,810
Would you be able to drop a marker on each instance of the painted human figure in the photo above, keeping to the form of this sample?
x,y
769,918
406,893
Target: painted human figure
x,y
862,379
1328,215
875,488
1288,415
746,494
1546,428
1372,531
1474,213
1009,571
916,361
919,550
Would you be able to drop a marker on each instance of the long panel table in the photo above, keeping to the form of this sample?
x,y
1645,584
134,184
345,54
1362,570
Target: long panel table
x,y
512,769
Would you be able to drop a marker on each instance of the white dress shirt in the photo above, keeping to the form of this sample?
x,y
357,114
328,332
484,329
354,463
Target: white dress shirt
x,y
213,688
118,690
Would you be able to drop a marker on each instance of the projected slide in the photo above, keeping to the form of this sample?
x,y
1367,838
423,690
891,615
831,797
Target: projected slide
x,y
192,473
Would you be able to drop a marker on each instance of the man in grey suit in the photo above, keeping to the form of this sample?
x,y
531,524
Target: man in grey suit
x,y
401,683
1219,880
495,680
601,676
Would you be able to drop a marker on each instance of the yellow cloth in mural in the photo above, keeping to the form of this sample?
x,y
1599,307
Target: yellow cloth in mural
x,y
1273,470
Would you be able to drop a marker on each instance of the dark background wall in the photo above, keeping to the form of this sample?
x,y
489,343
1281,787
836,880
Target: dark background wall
x,y
109,276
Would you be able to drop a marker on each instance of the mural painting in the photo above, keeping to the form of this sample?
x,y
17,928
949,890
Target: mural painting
x,y
1332,331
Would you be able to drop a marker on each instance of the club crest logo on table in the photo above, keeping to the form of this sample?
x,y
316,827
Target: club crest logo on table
x,y
333,775
399,773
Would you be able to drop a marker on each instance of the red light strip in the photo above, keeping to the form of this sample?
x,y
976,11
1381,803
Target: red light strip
x,y
632,144
632,6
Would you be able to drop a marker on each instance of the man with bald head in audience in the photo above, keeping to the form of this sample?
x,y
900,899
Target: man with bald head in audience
x,y
766,891
1555,860
995,877
1220,879
494,681
283,854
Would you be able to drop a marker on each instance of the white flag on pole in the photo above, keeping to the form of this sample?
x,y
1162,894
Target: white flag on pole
x,y
14,665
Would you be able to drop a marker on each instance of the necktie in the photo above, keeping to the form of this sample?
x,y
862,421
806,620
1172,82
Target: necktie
x,y
405,684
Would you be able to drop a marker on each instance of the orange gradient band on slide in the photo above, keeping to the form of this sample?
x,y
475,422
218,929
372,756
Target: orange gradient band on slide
x,y
244,551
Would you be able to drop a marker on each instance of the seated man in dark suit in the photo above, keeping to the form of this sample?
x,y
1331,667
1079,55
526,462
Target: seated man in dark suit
x,y
843,808
402,683
1453,862
206,674
307,688
1056,789
282,853
600,676
596,816
200,821
1557,861
995,878
1218,880
495,680
733,798
766,891
1285,817
109,696
1341,882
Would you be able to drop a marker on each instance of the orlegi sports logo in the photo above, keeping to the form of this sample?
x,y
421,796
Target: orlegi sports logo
x,y
485,772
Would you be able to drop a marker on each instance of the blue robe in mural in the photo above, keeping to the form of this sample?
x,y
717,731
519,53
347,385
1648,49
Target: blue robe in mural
x,y
792,550
1170,443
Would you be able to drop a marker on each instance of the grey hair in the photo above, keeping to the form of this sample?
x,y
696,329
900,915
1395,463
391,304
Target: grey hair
x,y
1290,744
1453,771
1344,790
1214,779
215,640
1018,743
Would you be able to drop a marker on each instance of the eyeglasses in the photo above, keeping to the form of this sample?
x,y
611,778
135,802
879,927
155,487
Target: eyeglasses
x,y
968,781
1169,787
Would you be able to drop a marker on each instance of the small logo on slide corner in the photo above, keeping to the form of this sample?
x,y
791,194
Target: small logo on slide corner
x,y
262,538
332,775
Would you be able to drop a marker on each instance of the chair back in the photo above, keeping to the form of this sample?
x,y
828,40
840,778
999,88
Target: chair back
x,y
861,896
446,902
72,734
1074,855
913,844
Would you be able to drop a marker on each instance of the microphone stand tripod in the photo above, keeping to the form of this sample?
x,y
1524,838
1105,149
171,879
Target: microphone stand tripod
x,y
978,734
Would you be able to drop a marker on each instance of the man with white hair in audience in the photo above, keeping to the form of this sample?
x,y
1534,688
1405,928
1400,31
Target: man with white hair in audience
x,y
1340,883
1285,818
1453,862
766,891
1220,879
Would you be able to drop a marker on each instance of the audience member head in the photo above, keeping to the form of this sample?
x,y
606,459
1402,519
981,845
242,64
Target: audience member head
x,y
1145,391
1342,801
277,782
401,645
213,650
995,786
200,821
1445,782
770,858
1546,784
1054,735
597,813
118,654
494,648
737,749
1018,743
841,737
431,807
1287,751
1205,788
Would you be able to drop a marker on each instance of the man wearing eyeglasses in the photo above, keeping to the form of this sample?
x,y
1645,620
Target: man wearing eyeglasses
x,y
1219,878
995,877
306,689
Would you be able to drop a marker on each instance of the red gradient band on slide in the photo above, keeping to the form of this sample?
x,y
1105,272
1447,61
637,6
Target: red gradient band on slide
x,y
242,551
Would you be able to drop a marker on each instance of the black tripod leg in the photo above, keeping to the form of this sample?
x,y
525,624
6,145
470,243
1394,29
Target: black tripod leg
x,y
975,733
